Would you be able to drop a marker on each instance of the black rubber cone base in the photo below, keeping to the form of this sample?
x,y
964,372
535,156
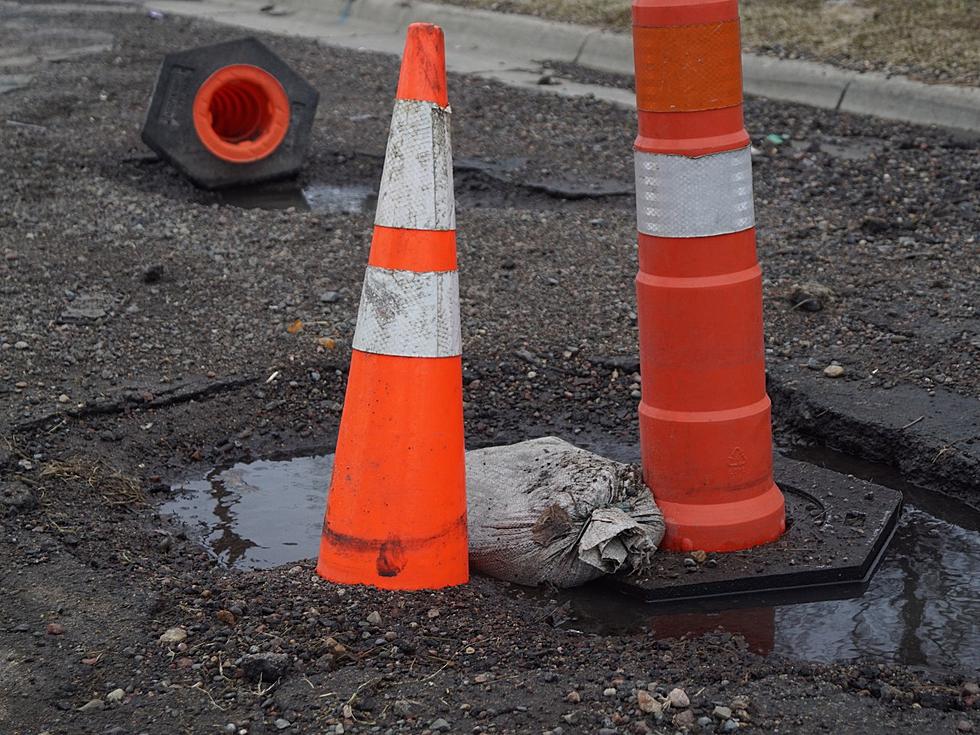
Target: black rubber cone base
x,y
838,528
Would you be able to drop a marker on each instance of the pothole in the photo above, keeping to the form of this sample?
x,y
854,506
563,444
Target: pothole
x,y
920,608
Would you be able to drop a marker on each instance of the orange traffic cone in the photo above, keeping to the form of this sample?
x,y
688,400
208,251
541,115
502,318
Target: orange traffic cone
x,y
396,513
705,433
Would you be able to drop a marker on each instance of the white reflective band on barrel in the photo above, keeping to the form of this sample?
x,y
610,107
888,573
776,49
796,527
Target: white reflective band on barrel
x,y
409,314
677,196
417,182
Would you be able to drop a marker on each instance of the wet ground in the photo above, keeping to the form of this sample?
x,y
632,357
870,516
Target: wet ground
x,y
920,608
145,336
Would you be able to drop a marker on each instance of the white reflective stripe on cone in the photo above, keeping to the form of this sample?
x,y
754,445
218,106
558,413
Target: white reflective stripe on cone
x,y
677,196
417,182
409,314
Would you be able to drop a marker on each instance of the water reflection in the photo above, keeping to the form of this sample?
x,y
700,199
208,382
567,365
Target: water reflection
x,y
921,608
258,515
757,625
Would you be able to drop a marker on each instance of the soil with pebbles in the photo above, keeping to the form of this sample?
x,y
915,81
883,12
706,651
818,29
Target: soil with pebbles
x,y
144,339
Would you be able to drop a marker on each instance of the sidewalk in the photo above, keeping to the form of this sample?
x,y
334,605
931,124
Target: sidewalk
x,y
927,40
518,49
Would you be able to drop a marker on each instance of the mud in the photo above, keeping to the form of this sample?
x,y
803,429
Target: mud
x,y
917,609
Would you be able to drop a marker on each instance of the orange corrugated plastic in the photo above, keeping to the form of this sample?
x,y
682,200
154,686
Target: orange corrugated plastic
x,y
705,431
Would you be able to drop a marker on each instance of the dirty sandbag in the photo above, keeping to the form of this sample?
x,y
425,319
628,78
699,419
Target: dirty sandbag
x,y
546,511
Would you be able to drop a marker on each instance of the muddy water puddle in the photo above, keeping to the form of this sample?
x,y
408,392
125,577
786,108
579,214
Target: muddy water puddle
x,y
259,514
921,608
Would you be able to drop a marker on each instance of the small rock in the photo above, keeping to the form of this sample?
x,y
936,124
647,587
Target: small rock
x,y
282,724
740,702
704,721
402,707
810,296
721,713
330,297
63,398
152,274
55,629
87,308
875,225
888,693
16,498
647,703
684,718
266,667
689,562
433,613
729,726
225,616
609,692
95,704
573,697
173,636
678,698
833,371
964,726
20,345
374,618
115,696
699,556
439,725
971,689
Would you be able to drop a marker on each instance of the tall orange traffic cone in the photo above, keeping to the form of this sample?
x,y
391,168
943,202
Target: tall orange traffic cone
x,y
396,513
705,434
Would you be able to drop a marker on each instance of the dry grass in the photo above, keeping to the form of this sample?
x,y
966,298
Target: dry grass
x,y
928,39
112,486
108,487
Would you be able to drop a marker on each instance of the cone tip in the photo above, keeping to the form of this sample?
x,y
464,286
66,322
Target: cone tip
x,y
423,72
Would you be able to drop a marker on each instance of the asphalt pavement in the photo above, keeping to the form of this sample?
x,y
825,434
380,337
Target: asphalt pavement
x,y
147,335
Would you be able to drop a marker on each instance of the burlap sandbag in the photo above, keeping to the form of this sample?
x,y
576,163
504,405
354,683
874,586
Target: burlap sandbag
x,y
545,511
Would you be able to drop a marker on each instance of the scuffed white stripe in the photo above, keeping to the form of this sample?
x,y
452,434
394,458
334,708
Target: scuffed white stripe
x,y
677,196
409,314
417,182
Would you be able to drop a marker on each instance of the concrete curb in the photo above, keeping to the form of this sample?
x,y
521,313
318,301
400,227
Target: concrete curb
x,y
511,47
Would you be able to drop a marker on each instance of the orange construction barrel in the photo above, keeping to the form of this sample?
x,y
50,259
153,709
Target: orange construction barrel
x,y
705,432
